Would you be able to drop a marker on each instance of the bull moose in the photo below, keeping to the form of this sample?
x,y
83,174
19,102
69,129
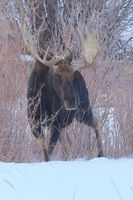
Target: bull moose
x,y
56,95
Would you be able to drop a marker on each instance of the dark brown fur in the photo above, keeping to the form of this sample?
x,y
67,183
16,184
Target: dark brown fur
x,y
56,96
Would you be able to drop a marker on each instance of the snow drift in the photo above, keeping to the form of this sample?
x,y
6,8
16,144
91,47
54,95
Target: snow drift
x,y
97,179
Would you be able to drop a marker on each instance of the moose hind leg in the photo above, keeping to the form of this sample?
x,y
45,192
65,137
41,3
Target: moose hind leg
x,y
99,144
55,134
98,138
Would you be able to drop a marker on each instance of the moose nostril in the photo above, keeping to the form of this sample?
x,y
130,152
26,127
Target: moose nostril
x,y
69,105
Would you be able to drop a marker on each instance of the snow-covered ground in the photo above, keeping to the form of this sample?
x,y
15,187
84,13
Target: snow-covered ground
x,y
97,179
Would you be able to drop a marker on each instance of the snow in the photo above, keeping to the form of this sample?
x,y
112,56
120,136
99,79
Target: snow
x,y
27,58
97,179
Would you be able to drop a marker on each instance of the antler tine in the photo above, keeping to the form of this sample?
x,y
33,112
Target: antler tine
x,y
46,54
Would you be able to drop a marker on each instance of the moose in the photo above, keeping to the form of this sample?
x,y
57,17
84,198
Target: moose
x,y
57,94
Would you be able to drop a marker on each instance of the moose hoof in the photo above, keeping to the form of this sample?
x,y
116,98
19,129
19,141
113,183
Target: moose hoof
x,y
46,157
100,154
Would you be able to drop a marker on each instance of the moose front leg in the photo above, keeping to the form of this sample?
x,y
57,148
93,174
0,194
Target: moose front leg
x,y
55,135
37,132
41,142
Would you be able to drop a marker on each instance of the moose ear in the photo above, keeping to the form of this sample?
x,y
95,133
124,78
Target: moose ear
x,y
67,56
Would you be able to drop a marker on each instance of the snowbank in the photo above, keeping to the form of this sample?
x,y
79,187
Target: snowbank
x,y
97,179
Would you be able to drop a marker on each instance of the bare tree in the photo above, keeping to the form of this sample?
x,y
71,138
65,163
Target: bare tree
x,y
63,21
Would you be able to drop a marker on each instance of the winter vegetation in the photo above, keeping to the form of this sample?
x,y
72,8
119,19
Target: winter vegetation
x,y
59,25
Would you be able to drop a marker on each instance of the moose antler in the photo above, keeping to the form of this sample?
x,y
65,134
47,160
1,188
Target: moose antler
x,y
89,44
30,43
90,51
